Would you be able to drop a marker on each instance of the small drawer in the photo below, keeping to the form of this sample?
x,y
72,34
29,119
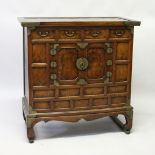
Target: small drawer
x,y
69,34
96,34
42,33
120,33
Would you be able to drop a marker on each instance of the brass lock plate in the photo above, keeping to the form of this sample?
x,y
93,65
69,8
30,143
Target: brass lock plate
x,y
82,63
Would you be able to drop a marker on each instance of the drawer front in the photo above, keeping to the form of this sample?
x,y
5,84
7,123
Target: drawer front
x,y
120,33
70,33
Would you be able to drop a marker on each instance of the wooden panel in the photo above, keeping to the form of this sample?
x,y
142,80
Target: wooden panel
x,y
93,91
96,63
69,92
100,102
81,103
66,64
116,89
39,53
121,73
43,93
122,51
40,76
119,100
41,105
58,105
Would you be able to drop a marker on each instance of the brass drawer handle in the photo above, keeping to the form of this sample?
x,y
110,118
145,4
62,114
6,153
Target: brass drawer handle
x,y
82,63
69,33
119,33
43,33
95,34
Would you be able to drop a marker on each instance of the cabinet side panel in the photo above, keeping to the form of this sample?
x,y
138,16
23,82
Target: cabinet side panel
x,y
25,64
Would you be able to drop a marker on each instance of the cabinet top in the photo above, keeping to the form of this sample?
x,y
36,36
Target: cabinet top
x,y
77,21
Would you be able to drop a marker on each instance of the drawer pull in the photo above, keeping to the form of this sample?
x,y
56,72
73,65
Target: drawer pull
x,y
69,33
119,33
95,34
43,33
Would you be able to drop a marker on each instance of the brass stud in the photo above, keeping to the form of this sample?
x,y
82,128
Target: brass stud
x,y
109,50
109,74
109,62
53,64
53,76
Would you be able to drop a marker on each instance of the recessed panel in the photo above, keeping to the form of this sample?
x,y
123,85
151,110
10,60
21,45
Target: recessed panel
x,y
96,63
93,91
81,103
122,51
119,100
100,102
69,92
43,93
40,105
117,89
40,77
121,73
39,53
60,105
67,64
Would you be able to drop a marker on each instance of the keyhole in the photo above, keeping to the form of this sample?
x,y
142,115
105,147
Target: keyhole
x,y
82,65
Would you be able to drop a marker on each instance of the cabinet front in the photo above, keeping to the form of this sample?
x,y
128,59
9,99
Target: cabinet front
x,y
79,75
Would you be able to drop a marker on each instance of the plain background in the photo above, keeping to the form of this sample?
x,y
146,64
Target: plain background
x,y
97,137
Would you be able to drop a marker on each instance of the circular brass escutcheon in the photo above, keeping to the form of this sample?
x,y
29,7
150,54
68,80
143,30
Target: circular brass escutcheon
x,y
82,63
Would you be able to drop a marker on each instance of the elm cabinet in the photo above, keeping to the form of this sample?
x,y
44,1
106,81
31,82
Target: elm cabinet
x,y
77,68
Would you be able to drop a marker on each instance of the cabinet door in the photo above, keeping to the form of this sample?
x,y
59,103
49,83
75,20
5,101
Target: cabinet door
x,y
79,63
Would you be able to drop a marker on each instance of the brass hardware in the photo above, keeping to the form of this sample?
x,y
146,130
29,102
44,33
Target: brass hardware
x,y
109,50
81,82
107,45
95,34
119,33
69,33
109,62
53,76
43,33
82,63
53,64
82,45
109,74
29,121
31,111
132,23
30,26
54,49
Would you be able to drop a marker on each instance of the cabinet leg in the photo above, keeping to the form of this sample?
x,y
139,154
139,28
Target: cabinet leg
x,y
30,130
30,134
128,125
